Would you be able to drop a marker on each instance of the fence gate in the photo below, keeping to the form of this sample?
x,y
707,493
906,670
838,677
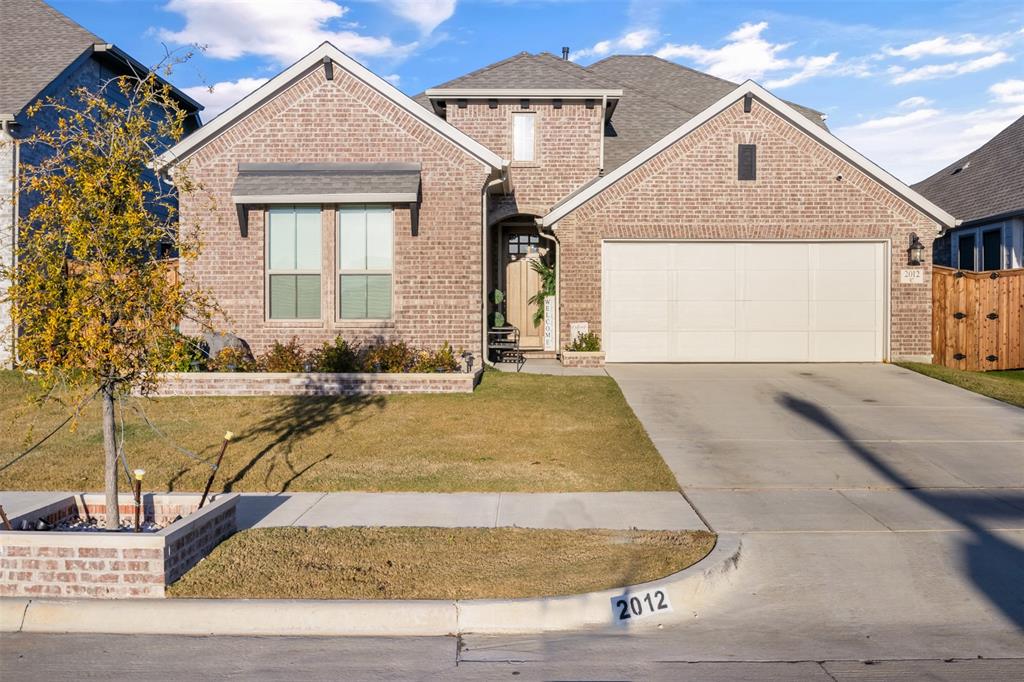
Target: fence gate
x,y
978,319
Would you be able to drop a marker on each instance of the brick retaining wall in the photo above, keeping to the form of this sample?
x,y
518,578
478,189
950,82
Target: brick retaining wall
x,y
311,384
112,565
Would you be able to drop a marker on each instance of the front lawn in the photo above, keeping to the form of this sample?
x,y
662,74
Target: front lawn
x,y
1007,386
435,563
517,432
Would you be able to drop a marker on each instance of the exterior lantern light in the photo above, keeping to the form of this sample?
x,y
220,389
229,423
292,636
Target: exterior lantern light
x,y
915,254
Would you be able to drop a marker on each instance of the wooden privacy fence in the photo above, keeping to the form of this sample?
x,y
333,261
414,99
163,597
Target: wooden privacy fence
x,y
978,319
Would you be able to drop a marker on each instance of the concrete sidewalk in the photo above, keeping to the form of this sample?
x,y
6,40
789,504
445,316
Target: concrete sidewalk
x,y
616,510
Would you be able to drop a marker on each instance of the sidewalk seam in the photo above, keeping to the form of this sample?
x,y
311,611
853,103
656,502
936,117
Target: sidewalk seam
x,y
695,510
865,511
305,511
497,511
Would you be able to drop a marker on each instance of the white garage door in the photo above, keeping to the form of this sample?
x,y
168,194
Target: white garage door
x,y
744,301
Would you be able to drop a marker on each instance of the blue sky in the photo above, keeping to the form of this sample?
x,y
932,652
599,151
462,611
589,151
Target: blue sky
x,y
912,85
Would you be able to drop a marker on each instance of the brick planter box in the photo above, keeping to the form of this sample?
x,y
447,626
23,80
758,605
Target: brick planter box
x,y
580,359
112,565
312,383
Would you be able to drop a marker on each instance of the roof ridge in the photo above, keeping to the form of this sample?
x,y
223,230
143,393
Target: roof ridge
x,y
485,69
577,70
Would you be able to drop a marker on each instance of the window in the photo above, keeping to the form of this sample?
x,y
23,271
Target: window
x,y
293,262
522,137
965,252
365,262
992,249
747,162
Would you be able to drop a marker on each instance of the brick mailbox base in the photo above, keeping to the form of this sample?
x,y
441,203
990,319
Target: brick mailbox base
x,y
582,359
115,564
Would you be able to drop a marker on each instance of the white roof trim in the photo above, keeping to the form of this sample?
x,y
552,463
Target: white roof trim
x,y
299,69
751,88
516,93
343,198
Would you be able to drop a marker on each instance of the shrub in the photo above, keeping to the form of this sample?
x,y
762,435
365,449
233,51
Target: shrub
x,y
444,360
394,356
585,343
284,357
339,356
182,354
232,359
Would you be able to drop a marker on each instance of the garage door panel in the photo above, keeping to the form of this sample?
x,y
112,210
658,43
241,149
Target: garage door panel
x,y
775,255
702,346
705,285
703,315
702,256
773,316
744,301
774,285
844,315
844,347
772,346
637,316
637,256
638,347
629,285
844,285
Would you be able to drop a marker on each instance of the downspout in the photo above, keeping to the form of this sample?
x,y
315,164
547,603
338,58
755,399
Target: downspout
x,y
558,280
16,164
484,257
604,112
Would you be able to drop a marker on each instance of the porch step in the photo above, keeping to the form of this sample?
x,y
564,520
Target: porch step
x,y
539,354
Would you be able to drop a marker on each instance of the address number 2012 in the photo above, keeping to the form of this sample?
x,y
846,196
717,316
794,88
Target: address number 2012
x,y
639,605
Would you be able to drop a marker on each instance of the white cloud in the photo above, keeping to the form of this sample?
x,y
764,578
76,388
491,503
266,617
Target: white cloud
x,y
1009,91
632,41
747,54
393,79
282,31
220,96
426,14
914,102
915,145
948,70
943,46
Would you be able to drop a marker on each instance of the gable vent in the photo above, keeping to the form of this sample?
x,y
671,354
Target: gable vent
x,y
747,162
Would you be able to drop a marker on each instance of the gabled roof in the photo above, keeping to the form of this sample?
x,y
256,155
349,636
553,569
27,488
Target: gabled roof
x,y
38,45
988,182
299,69
658,96
588,192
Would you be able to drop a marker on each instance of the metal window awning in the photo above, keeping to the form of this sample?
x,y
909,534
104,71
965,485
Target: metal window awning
x,y
327,183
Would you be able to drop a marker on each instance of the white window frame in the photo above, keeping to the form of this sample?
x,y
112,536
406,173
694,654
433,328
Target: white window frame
x,y
268,271
533,151
340,272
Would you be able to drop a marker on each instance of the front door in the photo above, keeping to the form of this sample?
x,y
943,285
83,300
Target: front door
x,y
522,247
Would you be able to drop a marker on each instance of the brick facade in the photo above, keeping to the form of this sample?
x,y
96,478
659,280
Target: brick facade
x,y
112,565
272,383
437,269
691,191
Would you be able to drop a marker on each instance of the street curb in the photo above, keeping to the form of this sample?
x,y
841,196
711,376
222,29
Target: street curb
x,y
688,591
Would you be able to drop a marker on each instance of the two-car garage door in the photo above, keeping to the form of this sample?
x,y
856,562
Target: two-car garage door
x,y
744,301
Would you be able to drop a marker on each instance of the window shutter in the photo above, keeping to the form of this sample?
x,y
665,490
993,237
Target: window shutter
x,y
747,163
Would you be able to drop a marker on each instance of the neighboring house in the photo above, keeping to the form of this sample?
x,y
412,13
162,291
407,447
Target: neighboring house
x,y
44,54
687,218
985,190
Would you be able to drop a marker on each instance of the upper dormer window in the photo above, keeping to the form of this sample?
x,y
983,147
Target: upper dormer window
x,y
523,138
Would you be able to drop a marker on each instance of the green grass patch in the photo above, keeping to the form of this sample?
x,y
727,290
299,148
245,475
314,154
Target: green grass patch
x,y
435,563
516,432
1007,386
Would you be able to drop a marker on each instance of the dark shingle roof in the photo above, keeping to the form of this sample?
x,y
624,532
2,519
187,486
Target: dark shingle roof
x,y
335,178
658,96
36,44
990,181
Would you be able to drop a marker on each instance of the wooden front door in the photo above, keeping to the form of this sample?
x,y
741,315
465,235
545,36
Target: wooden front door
x,y
521,247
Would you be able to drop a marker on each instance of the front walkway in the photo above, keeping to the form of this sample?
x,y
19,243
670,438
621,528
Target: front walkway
x,y
617,510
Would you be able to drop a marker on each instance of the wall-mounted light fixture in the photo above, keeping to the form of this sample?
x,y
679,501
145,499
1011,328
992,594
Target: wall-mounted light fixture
x,y
915,253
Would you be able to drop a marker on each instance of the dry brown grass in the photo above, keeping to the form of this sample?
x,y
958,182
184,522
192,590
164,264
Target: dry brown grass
x,y
525,433
436,563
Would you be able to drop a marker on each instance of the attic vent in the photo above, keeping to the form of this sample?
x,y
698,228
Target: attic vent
x,y
747,162
960,169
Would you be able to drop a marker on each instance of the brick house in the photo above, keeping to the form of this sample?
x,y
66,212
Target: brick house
x,y
44,54
685,218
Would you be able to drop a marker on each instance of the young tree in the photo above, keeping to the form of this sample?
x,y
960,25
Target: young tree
x,y
94,306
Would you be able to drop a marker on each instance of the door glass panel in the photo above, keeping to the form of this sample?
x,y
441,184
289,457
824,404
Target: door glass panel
x,y
992,250
965,252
